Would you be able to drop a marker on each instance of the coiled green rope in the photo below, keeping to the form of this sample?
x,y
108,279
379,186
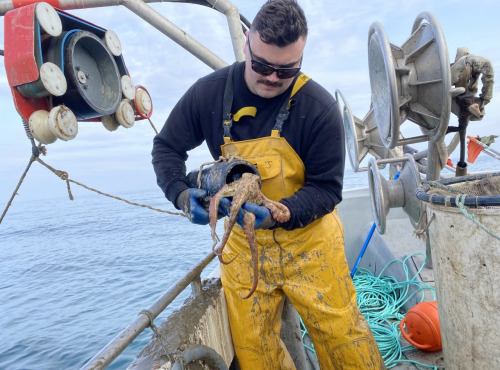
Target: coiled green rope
x,y
381,300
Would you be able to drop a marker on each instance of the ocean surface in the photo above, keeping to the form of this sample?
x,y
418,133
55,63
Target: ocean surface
x,y
73,274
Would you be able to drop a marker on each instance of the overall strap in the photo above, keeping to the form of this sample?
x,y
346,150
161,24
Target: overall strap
x,y
227,103
227,117
285,108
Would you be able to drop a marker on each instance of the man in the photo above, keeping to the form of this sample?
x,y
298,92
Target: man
x,y
293,133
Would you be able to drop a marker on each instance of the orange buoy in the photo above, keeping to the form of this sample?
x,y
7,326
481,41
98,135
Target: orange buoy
x,y
420,327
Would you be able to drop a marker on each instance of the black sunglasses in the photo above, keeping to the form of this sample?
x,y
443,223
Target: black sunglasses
x,y
267,70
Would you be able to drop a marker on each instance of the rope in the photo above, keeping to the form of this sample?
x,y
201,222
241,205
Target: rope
x,y
153,126
40,149
460,199
460,202
17,188
381,300
421,230
451,189
64,176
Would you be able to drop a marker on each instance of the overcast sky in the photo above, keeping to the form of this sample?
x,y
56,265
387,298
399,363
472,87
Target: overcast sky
x,y
335,56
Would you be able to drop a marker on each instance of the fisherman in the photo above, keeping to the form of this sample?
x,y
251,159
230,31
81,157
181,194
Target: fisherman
x,y
300,158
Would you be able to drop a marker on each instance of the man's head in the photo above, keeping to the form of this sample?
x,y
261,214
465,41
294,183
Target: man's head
x,y
274,47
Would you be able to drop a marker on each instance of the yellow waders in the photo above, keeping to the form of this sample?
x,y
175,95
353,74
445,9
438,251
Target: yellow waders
x,y
307,264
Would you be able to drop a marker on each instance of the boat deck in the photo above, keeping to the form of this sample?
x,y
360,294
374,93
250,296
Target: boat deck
x,y
397,243
401,242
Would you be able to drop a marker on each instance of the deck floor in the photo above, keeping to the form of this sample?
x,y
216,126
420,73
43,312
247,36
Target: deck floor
x,y
399,230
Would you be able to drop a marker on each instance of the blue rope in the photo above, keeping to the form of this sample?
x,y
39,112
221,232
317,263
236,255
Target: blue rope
x,y
381,300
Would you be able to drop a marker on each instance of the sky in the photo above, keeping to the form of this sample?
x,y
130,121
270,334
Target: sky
x,y
335,55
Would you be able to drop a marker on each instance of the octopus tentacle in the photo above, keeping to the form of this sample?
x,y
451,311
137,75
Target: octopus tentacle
x,y
249,228
213,211
233,214
245,189
278,210
221,260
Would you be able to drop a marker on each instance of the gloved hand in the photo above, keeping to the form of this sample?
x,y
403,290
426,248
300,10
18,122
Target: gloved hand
x,y
188,201
225,209
263,218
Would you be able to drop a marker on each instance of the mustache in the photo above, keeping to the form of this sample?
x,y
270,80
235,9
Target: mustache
x,y
269,83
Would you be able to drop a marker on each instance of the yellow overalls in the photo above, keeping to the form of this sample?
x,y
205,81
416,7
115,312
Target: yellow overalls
x,y
306,264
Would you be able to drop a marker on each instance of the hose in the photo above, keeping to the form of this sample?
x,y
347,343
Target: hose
x,y
200,352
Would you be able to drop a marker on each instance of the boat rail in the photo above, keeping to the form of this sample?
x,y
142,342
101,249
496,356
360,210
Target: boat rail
x,y
145,318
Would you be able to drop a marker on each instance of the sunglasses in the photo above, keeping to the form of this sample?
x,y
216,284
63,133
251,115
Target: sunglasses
x,y
267,70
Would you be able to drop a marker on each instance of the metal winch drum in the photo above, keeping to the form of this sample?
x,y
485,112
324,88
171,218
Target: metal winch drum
x,y
411,82
362,136
400,192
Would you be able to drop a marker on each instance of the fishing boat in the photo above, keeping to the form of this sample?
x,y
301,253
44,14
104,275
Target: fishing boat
x,y
52,58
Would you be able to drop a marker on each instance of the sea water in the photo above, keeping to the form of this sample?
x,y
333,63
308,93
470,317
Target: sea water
x,y
73,274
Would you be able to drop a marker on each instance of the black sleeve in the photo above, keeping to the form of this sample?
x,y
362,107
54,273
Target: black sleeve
x,y
324,162
181,133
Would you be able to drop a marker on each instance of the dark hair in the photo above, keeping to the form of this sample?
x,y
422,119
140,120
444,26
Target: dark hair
x,y
280,22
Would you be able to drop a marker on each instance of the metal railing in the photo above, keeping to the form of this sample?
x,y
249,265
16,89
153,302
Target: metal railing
x,y
143,320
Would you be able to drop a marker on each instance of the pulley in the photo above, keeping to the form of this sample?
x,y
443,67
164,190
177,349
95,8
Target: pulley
x,y
48,19
59,123
94,86
362,136
124,115
128,88
53,59
143,103
50,82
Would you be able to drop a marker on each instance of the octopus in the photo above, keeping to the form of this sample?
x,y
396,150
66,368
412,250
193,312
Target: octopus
x,y
245,189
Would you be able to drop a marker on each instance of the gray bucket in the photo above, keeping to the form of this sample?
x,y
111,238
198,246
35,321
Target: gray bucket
x,y
466,259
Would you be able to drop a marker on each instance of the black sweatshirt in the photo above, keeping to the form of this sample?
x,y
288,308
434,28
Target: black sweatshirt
x,y
314,130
